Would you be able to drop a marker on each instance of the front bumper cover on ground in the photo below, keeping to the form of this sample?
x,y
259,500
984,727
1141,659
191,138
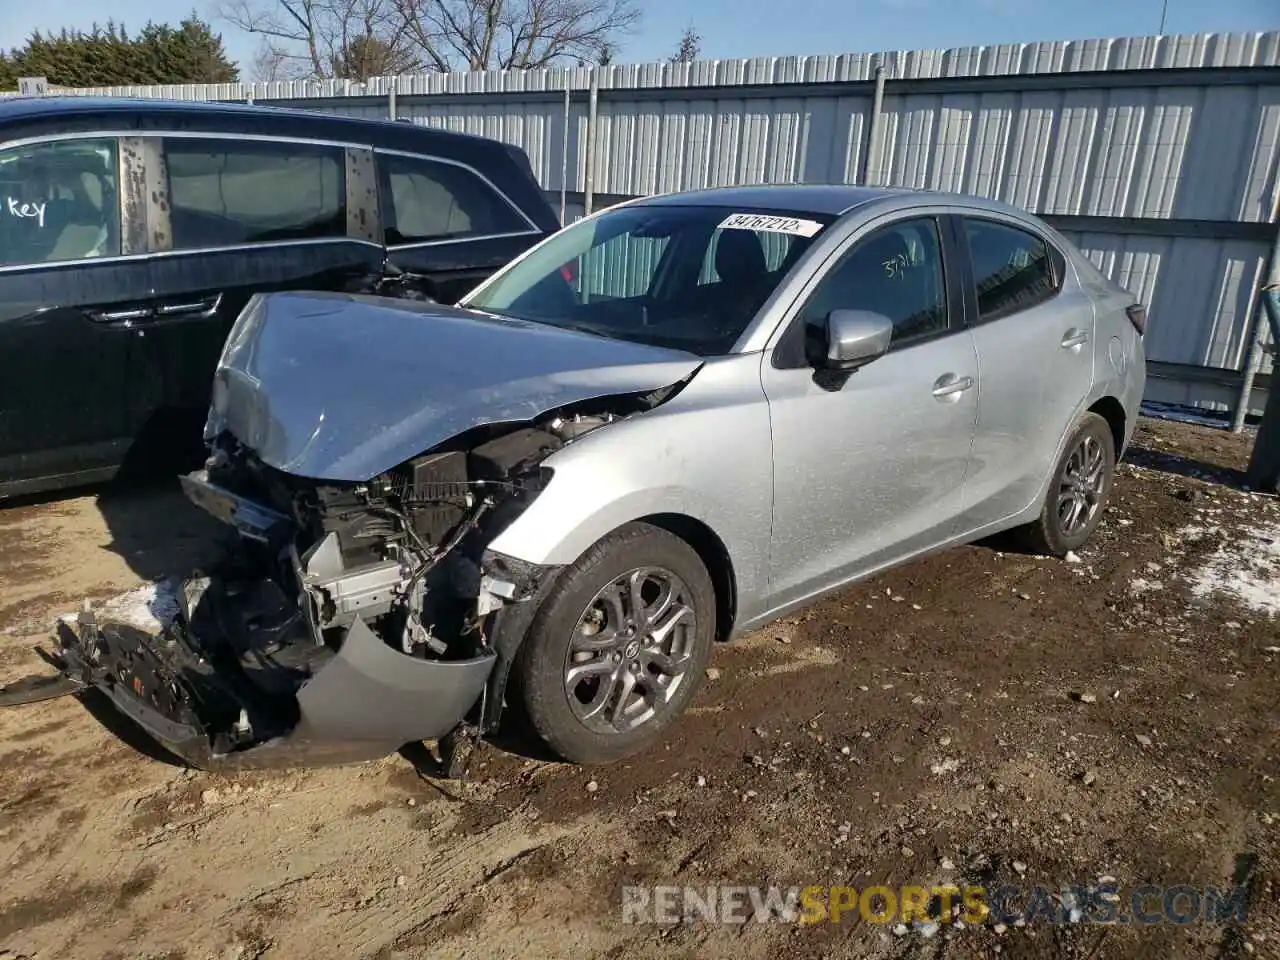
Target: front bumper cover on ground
x,y
364,702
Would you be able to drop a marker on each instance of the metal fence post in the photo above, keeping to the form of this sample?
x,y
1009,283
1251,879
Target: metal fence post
x,y
1264,462
871,174
564,153
1258,322
589,182
391,99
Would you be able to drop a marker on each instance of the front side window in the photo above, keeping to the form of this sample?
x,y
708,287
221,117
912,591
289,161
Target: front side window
x,y
429,200
1012,269
59,202
232,192
641,273
896,272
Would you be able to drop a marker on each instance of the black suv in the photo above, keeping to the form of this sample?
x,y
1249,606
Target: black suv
x,y
132,232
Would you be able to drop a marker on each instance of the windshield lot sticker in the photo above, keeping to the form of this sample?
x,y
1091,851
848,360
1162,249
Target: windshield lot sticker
x,y
771,224
26,211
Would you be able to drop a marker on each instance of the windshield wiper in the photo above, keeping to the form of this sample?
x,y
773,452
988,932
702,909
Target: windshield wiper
x,y
585,328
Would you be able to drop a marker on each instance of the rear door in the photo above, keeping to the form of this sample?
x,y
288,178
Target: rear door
x,y
244,216
1033,328
447,221
66,276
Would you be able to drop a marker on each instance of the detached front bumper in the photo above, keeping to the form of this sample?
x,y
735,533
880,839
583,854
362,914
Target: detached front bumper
x,y
186,688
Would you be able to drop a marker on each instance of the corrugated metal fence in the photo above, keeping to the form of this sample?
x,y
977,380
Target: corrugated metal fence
x,y
1157,155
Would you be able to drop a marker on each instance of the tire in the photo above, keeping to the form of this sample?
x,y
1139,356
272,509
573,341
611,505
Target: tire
x,y
1081,482
595,693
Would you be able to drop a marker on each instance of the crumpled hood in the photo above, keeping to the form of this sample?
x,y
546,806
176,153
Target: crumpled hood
x,y
344,387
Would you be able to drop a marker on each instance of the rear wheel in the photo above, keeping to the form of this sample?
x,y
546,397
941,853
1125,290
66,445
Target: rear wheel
x,y
619,646
1078,491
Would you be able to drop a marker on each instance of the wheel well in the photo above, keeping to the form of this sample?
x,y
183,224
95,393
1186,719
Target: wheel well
x,y
1111,410
715,557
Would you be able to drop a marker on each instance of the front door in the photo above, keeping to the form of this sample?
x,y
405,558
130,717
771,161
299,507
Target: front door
x,y
64,294
443,220
870,466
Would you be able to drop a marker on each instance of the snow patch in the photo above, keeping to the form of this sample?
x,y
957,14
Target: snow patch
x,y
1141,585
1245,569
1183,414
149,608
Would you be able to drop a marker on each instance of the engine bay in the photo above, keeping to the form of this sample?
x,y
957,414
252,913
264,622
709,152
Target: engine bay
x,y
403,551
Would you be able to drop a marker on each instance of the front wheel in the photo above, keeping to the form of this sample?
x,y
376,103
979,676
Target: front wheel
x,y
619,646
1078,491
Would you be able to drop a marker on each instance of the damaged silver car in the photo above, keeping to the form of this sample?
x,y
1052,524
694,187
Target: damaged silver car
x,y
669,423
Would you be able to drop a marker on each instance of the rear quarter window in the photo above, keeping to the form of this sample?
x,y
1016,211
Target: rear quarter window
x,y
429,200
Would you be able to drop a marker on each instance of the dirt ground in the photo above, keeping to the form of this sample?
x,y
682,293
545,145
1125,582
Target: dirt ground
x,y
983,716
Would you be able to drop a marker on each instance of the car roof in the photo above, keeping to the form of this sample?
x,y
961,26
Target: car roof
x,y
55,107
822,199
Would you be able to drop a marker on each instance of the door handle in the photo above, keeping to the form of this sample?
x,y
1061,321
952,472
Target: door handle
x,y
1074,338
126,317
948,387
198,309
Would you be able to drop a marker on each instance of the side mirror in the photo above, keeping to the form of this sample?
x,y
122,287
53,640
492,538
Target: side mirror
x,y
852,338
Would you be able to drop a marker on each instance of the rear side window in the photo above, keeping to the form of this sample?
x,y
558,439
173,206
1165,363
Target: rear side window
x,y
429,200
228,192
1013,269
59,202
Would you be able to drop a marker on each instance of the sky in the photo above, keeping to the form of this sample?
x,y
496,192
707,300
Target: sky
x,y
750,28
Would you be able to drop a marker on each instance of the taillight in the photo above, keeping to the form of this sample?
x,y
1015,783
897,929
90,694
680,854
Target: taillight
x,y
568,272
1137,314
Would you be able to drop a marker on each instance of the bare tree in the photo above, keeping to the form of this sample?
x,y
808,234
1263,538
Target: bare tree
x,y
316,37
690,46
515,34
313,37
270,64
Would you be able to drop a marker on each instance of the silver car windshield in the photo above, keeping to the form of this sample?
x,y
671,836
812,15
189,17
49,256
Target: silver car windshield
x,y
689,278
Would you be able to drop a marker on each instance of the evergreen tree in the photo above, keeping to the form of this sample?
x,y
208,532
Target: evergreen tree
x,y
689,48
109,56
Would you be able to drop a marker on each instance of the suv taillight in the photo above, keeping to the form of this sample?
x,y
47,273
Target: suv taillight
x,y
1137,314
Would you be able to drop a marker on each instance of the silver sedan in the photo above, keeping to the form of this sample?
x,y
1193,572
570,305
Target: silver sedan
x,y
667,424
883,373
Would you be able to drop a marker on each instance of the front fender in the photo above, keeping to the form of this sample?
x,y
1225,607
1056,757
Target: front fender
x,y
706,454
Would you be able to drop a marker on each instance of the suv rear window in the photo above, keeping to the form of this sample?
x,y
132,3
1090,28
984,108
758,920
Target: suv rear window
x,y
229,192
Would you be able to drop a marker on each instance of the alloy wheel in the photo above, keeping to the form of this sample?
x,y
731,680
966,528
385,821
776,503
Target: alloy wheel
x,y
1083,484
631,651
